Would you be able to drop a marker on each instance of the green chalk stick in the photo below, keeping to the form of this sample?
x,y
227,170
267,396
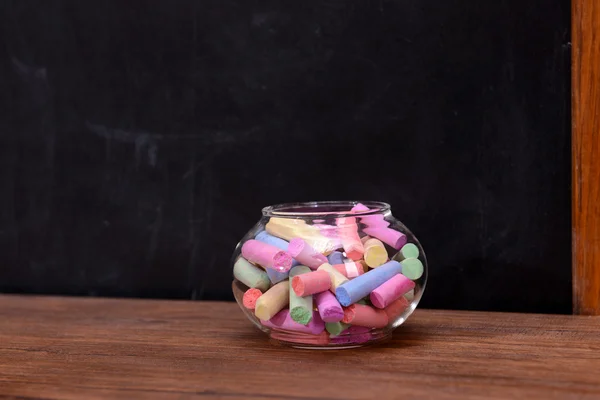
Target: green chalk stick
x,y
335,328
409,250
412,268
250,275
301,308
410,295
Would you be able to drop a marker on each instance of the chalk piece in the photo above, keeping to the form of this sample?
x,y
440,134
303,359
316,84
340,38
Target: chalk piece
x,y
266,255
391,290
276,276
273,301
412,268
361,286
371,221
353,335
395,309
375,253
350,240
409,250
335,257
337,278
364,239
281,244
388,236
350,269
311,283
360,315
290,228
283,320
305,254
410,295
329,308
336,328
301,308
250,297
250,275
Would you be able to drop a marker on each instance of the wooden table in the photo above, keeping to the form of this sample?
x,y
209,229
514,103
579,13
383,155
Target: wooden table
x,y
74,348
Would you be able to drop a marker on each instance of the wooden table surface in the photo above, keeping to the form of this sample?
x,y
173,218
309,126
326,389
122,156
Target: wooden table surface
x,y
79,348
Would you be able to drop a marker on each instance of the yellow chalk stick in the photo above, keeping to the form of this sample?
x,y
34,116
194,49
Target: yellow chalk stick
x,y
272,301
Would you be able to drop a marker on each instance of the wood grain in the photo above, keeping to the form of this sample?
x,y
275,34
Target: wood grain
x,y
586,156
75,348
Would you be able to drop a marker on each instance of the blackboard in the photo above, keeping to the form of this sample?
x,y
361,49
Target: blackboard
x,y
139,140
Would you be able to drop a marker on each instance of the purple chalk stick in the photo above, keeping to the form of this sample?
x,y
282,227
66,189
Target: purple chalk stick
x,y
329,308
283,320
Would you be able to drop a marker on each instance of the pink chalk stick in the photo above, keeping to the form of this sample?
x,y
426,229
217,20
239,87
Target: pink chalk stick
x,y
353,335
329,308
362,315
391,290
283,320
350,240
250,297
311,283
350,269
266,255
372,221
395,309
389,236
305,254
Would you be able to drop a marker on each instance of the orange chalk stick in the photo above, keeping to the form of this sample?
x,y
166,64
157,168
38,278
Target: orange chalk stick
x,y
311,283
362,315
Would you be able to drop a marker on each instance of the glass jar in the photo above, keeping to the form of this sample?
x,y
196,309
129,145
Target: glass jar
x,y
332,274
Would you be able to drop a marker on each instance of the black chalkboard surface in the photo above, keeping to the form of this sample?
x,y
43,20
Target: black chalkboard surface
x,y
140,139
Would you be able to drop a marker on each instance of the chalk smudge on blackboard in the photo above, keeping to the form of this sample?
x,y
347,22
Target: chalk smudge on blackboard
x,y
143,141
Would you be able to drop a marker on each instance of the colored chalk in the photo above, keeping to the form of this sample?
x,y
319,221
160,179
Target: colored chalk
x,y
311,283
337,278
412,268
361,286
391,290
350,269
283,320
290,228
350,240
395,309
272,301
388,236
301,308
250,275
266,255
335,258
375,253
250,297
410,295
409,250
281,244
276,276
371,221
329,308
361,315
336,328
305,254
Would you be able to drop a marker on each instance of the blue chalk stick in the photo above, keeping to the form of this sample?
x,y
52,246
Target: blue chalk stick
x,y
281,244
276,276
361,286
335,258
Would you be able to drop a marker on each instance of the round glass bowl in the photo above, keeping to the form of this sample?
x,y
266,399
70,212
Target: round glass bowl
x,y
332,274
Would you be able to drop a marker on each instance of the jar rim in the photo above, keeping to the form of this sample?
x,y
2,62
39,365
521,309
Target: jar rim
x,y
324,208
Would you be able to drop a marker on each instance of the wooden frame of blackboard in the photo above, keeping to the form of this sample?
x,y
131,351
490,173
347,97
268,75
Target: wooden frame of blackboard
x,y
585,151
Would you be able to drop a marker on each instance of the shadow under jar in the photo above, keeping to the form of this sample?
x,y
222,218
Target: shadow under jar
x,y
332,274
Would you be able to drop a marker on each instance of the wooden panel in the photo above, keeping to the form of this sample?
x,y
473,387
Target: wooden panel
x,y
586,156
73,348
